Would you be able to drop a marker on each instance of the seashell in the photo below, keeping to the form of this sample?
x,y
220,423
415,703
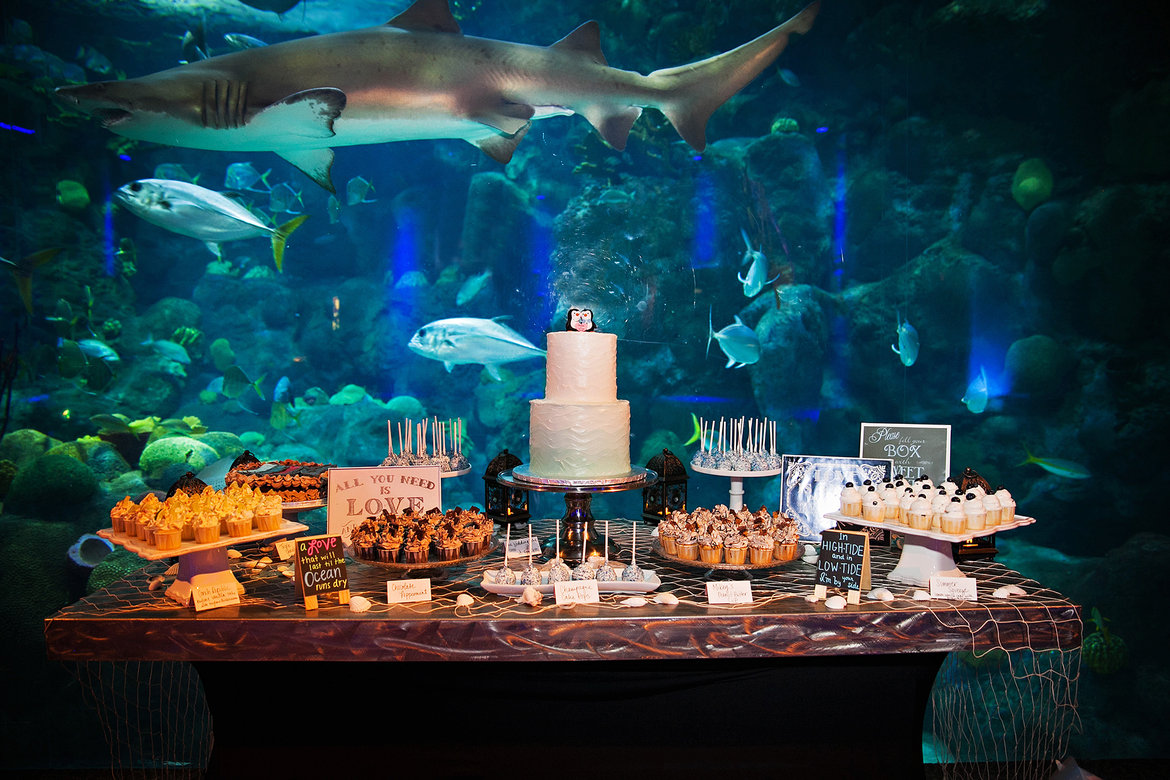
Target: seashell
x,y
172,570
668,599
359,603
249,564
265,560
835,602
233,553
156,582
921,595
289,573
633,601
282,568
880,594
531,596
261,565
1001,593
464,600
811,598
1015,589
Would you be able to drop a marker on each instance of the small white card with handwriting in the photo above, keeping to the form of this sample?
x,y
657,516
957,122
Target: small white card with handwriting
x,y
402,591
520,546
576,592
730,592
216,594
285,549
953,588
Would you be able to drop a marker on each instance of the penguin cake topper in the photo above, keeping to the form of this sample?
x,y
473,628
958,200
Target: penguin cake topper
x,y
580,320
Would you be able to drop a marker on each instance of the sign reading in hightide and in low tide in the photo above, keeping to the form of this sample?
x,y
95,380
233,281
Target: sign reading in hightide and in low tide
x,y
358,493
843,563
916,450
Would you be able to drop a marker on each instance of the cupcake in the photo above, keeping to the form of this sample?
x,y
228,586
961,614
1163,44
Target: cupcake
x,y
760,549
239,524
119,512
919,514
975,513
850,500
388,550
416,551
938,506
168,537
687,545
1007,505
668,538
890,503
872,508
559,571
205,530
993,509
711,548
954,521
269,514
448,549
735,549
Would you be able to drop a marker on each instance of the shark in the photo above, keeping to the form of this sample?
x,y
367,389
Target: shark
x,y
416,77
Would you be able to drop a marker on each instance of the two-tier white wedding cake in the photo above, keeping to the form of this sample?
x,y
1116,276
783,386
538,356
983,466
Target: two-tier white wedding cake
x,y
580,430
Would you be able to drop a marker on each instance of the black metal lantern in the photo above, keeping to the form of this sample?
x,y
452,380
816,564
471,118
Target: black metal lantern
x,y
501,503
669,493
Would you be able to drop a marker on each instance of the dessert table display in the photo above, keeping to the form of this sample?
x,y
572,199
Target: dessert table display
x,y
792,671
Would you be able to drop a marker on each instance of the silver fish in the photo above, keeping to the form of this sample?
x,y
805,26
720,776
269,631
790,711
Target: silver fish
x,y
472,287
240,41
907,347
739,342
98,350
975,399
191,210
278,98
461,340
333,209
357,190
757,275
168,349
243,176
283,199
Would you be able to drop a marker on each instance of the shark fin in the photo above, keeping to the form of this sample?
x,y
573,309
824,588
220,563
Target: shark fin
x,y
314,163
306,114
427,16
585,40
501,147
613,124
507,117
493,371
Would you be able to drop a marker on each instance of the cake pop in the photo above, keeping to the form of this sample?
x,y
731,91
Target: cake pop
x,y
505,576
605,573
558,571
531,574
633,572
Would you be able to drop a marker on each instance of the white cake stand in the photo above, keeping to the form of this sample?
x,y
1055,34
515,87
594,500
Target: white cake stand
x,y
579,538
926,553
735,496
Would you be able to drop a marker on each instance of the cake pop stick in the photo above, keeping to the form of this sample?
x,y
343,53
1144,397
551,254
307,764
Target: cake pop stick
x,y
634,546
607,542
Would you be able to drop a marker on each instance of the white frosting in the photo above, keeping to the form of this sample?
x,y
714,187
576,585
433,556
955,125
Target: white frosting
x,y
579,430
581,367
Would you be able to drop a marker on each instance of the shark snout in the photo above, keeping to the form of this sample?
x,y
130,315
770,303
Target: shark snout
x,y
94,99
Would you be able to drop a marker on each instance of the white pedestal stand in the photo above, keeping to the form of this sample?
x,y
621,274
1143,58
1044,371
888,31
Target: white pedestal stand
x,y
735,494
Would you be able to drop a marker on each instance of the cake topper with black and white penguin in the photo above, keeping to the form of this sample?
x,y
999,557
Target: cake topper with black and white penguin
x,y
580,320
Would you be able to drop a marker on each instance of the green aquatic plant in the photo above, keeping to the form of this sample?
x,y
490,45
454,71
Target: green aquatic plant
x,y
186,336
111,329
1104,652
1032,183
120,423
222,355
221,268
350,394
784,124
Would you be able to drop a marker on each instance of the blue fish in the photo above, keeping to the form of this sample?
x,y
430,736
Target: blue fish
x,y
907,347
976,396
1058,466
739,342
281,393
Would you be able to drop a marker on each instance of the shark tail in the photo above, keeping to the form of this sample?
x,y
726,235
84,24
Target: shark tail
x,y
693,92
280,238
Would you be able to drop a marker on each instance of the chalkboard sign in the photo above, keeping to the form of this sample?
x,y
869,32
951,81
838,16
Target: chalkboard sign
x,y
320,569
917,450
844,560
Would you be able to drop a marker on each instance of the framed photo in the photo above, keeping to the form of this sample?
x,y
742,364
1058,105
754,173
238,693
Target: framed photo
x,y
811,486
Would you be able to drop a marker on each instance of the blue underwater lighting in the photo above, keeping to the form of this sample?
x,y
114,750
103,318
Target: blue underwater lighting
x,y
17,129
124,157
821,129
703,253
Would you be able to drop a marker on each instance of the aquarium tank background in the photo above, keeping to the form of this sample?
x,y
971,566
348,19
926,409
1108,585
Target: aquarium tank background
x,y
937,212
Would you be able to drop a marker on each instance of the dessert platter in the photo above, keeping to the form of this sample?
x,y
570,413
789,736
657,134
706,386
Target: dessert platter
x,y
648,583
197,527
296,482
931,518
431,540
728,539
432,442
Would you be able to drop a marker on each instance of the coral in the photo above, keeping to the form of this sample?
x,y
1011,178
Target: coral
x,y
7,472
33,565
168,451
1032,184
1104,652
1038,365
251,439
25,445
350,394
225,444
785,124
221,354
88,551
50,486
405,407
113,567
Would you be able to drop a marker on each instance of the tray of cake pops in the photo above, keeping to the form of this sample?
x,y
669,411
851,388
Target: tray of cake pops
x,y
955,510
723,538
433,539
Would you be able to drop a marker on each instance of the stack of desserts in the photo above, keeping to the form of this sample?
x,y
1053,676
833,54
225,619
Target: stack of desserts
x,y
429,443
293,480
408,537
721,535
920,505
737,445
201,517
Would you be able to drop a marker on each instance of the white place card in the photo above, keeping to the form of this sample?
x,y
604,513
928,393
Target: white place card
x,y
285,549
576,592
520,546
215,594
954,588
402,591
730,592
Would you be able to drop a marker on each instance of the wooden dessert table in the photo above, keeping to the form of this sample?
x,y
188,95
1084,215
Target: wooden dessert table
x,y
777,686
